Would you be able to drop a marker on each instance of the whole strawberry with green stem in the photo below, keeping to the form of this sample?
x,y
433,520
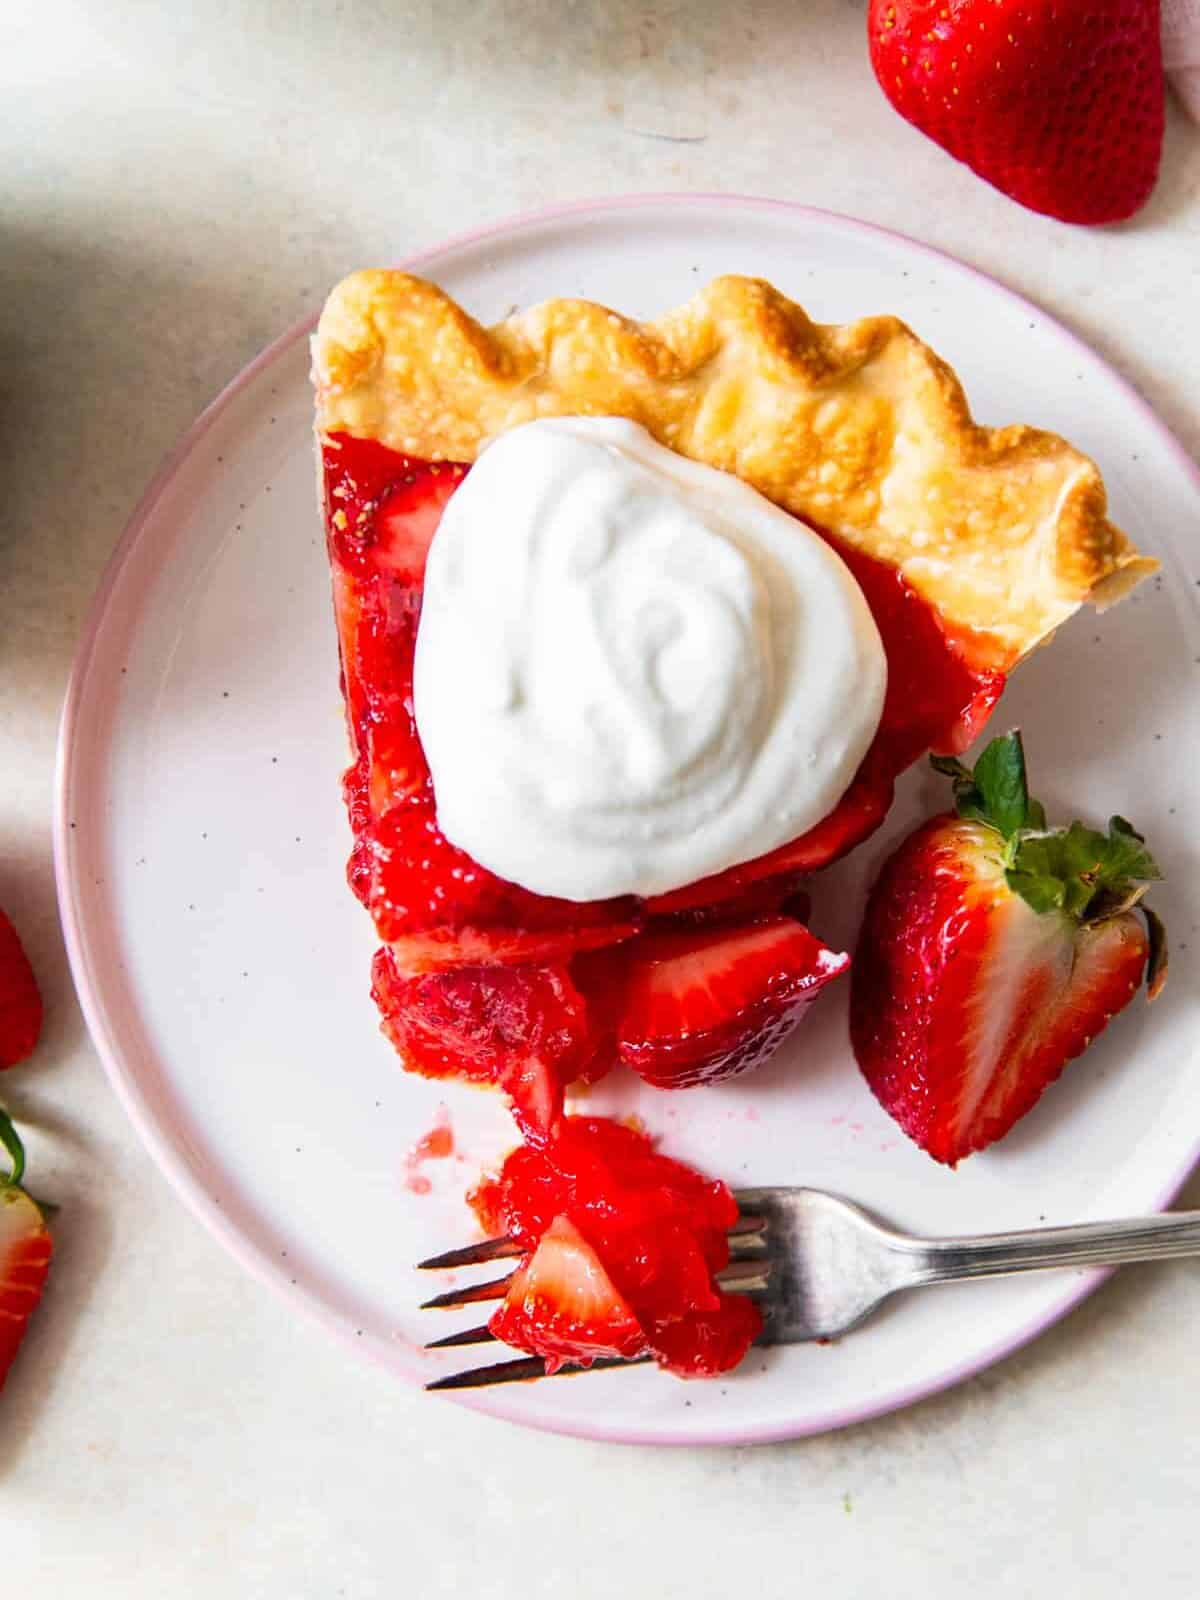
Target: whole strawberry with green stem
x,y
1059,103
993,951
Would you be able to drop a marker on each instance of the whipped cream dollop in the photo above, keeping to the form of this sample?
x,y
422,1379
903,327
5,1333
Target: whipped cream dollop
x,y
633,670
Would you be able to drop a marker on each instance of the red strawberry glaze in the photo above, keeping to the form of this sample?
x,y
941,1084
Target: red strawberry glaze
x,y
657,1231
435,1145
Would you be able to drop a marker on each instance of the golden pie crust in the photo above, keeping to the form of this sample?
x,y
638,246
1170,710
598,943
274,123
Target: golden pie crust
x,y
860,429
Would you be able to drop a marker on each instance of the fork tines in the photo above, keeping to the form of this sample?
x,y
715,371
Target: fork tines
x,y
747,1273
525,1368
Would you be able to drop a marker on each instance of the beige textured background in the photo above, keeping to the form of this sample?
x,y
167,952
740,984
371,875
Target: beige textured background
x,y
178,183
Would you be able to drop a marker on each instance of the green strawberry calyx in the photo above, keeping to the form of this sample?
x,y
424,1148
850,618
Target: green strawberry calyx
x,y
12,1182
1076,871
11,1140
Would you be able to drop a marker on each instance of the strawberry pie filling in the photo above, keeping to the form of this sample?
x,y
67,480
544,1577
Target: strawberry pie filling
x,y
483,979
621,1251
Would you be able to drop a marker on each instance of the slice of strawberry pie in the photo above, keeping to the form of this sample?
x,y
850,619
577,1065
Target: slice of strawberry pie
x,y
638,624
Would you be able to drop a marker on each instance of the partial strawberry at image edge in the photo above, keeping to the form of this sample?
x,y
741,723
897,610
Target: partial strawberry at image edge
x,y
1059,106
994,950
622,1247
25,1250
20,999
448,924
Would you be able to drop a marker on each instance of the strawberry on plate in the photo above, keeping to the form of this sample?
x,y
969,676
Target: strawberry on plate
x,y
20,999
622,1247
1058,103
993,952
700,1006
25,1250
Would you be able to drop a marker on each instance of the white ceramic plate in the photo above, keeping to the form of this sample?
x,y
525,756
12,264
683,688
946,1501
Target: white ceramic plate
x,y
223,965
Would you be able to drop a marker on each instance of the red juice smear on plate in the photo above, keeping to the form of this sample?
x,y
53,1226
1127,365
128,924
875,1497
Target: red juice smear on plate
x,y
436,1145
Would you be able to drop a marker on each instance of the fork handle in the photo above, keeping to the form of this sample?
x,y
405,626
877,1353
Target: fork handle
x,y
1092,1244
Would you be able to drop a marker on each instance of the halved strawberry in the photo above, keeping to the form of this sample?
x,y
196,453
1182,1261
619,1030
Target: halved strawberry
x,y
701,1006
20,999
25,1250
993,952
563,1305
525,1029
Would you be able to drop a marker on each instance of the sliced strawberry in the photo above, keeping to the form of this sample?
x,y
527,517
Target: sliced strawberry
x,y
438,908
382,511
859,812
20,999
563,1305
699,1007
382,508
993,951
657,1228
766,897
25,1251
525,1029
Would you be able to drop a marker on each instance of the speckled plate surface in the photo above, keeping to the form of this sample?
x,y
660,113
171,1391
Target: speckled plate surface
x,y
223,965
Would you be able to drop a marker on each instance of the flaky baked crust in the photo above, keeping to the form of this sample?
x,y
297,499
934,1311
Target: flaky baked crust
x,y
860,429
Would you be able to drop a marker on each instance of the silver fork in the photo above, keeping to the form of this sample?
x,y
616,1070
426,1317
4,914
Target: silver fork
x,y
819,1265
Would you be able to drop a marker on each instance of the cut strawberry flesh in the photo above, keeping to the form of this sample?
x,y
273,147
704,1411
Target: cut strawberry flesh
x,y
1060,1011
563,1305
655,1228
25,1251
702,1006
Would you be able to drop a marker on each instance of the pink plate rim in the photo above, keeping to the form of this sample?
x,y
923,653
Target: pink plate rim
x,y
496,1403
